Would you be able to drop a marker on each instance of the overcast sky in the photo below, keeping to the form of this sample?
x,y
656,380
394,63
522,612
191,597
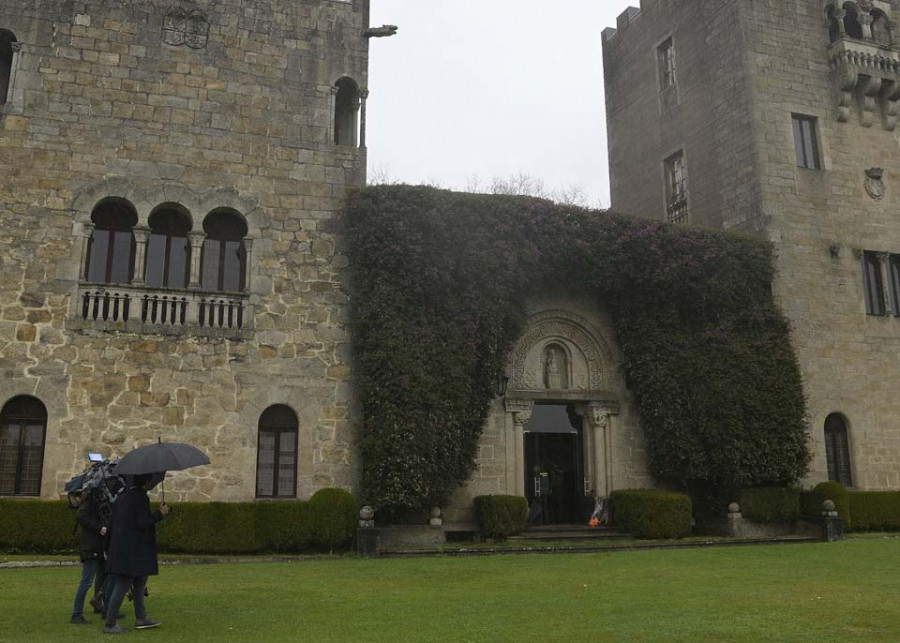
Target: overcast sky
x,y
490,88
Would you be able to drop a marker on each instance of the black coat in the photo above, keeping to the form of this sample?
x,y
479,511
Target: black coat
x,y
132,545
88,519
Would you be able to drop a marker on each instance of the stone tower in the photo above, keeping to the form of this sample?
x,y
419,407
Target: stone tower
x,y
170,172
780,119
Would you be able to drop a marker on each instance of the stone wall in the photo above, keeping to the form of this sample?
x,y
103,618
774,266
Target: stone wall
x,y
849,358
819,220
707,116
114,98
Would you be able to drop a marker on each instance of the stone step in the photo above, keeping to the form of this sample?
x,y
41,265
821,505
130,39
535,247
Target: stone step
x,y
569,532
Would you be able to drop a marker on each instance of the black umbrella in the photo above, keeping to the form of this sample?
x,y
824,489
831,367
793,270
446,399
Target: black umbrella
x,y
161,457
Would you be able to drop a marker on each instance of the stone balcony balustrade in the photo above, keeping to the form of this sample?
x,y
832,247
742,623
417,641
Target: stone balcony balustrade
x,y
142,309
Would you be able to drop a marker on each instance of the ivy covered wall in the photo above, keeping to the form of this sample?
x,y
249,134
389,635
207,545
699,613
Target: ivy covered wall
x,y
439,281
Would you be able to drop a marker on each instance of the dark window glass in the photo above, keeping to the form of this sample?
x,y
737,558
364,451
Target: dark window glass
x,y
6,59
23,428
895,284
97,255
837,450
851,24
110,255
276,461
873,282
676,189
880,32
834,30
224,261
346,109
806,146
168,249
666,56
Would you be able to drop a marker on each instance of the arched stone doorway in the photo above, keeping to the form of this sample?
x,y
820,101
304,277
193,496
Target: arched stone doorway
x,y
561,408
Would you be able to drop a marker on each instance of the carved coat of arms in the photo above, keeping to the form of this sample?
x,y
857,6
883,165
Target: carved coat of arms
x,y
186,28
874,184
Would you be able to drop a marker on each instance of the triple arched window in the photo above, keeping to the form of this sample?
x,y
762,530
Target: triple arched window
x,y
112,252
23,431
858,22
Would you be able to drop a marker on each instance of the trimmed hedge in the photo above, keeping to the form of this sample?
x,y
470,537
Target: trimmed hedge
x,y
646,513
875,510
770,504
830,490
37,526
501,516
41,526
334,513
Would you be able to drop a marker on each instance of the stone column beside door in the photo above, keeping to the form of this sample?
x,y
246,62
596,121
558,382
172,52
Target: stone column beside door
x,y
521,413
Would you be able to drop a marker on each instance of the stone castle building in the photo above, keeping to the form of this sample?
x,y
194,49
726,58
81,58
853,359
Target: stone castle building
x,y
779,117
171,172
169,176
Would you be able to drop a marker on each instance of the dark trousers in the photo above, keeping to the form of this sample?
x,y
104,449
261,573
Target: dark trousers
x,y
120,585
98,582
89,569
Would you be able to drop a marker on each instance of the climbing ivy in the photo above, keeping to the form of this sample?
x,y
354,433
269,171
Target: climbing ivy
x,y
438,285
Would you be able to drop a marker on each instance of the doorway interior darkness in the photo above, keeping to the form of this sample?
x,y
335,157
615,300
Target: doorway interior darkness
x,y
554,465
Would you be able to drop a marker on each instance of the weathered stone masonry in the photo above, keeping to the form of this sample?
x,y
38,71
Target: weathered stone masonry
x,y
217,105
743,71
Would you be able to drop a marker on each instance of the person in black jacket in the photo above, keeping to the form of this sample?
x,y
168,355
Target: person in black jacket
x,y
132,552
90,551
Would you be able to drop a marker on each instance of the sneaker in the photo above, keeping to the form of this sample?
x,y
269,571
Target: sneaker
x,y
146,623
79,620
115,629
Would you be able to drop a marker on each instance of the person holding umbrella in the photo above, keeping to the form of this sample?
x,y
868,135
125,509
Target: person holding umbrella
x,y
132,548
132,552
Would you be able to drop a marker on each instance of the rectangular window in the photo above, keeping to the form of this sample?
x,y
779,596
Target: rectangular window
x,y
676,188
894,269
806,146
873,282
666,57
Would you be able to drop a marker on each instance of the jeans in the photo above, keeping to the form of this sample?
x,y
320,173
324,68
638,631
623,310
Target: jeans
x,y
88,569
120,585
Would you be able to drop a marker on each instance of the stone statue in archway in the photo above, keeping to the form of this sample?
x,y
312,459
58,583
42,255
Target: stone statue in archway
x,y
555,369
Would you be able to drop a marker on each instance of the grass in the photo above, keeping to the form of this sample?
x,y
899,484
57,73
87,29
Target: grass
x,y
819,592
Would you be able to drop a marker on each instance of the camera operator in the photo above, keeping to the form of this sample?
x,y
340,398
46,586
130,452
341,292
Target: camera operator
x,y
90,551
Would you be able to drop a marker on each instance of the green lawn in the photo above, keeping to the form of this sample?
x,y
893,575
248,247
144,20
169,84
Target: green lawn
x,y
819,592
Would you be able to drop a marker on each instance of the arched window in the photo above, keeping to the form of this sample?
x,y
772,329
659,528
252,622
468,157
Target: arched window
x,y
276,459
851,21
837,450
346,111
110,256
168,249
223,259
880,33
6,61
834,29
23,429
